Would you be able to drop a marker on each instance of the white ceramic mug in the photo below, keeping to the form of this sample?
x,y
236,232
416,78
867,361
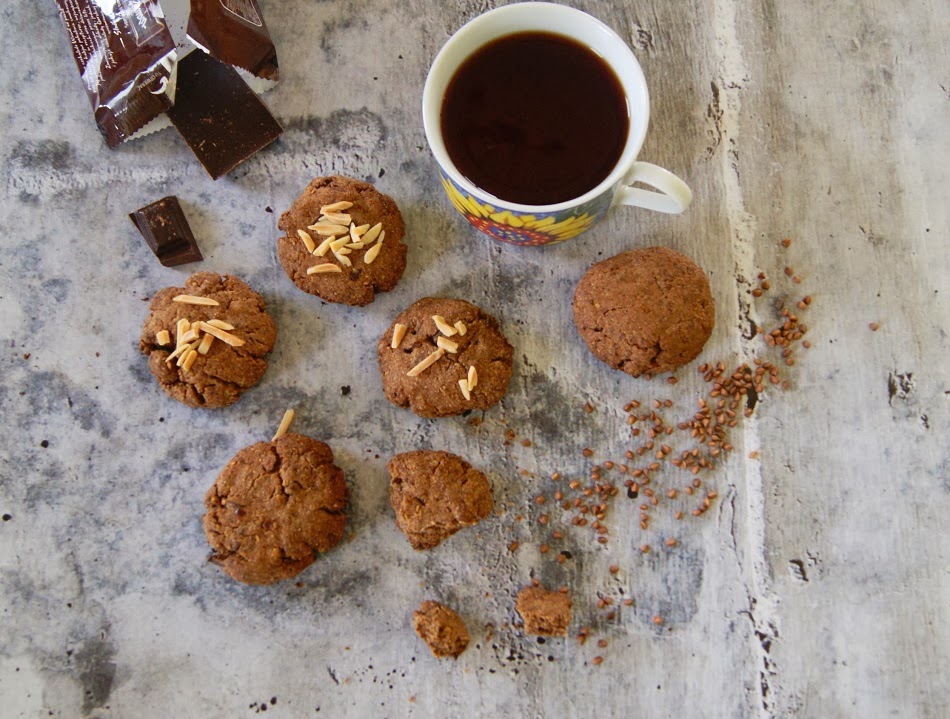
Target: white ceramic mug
x,y
546,224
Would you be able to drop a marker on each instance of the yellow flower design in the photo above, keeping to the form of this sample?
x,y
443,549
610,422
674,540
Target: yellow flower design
x,y
481,214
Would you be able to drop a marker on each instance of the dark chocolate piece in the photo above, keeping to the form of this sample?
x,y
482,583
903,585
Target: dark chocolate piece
x,y
219,116
125,55
165,229
233,31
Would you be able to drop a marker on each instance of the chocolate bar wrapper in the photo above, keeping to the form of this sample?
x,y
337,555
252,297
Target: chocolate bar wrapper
x,y
234,32
126,56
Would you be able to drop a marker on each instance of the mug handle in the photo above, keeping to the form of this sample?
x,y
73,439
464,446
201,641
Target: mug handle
x,y
672,196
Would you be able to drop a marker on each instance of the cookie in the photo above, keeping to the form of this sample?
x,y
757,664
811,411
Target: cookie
x,y
435,494
274,507
367,254
544,613
206,341
645,311
441,628
446,366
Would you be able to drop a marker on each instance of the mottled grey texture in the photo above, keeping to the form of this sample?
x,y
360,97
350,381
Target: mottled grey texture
x,y
816,585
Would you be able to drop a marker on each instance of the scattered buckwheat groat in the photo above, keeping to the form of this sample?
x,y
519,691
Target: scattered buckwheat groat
x,y
645,311
343,241
441,628
274,507
442,357
545,613
435,494
206,341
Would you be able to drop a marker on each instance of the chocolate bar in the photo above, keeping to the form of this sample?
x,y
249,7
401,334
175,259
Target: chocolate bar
x,y
165,229
218,115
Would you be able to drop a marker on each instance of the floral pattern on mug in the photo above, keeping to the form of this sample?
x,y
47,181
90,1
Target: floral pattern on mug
x,y
529,230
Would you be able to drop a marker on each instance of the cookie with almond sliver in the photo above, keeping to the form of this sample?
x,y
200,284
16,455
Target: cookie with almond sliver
x,y
343,241
206,341
442,357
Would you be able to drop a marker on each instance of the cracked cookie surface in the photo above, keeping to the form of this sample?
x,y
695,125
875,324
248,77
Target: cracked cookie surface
x,y
219,377
357,283
274,507
435,494
435,392
645,311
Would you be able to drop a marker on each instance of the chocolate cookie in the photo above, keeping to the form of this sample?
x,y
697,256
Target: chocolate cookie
x,y
545,613
274,507
435,494
443,357
645,310
206,341
441,628
343,242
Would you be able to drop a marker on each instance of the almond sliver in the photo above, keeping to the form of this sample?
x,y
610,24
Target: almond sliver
x,y
221,325
447,344
443,326
324,247
284,424
426,363
372,253
329,228
336,207
372,233
307,240
466,390
205,344
399,331
226,337
472,377
163,338
323,269
193,300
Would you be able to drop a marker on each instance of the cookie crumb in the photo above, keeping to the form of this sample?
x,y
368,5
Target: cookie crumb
x,y
545,613
441,628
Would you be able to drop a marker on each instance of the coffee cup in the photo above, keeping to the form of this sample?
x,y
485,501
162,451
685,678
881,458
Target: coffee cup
x,y
542,224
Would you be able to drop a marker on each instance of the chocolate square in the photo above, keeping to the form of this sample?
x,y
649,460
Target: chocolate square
x,y
223,121
165,229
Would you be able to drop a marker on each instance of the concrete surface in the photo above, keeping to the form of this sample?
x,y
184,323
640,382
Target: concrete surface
x,y
817,584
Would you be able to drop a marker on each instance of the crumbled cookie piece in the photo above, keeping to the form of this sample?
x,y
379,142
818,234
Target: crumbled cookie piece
x,y
208,366
434,376
645,311
435,494
343,241
274,507
544,613
441,628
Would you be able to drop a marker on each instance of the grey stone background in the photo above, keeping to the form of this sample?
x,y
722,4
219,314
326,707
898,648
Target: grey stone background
x,y
817,585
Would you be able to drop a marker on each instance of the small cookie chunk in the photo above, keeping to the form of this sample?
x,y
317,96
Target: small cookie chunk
x,y
545,613
646,310
373,264
435,494
274,507
432,358
213,372
441,628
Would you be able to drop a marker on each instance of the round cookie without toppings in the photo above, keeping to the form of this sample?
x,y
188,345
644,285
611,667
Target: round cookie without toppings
x,y
343,241
645,311
206,341
430,350
435,494
274,507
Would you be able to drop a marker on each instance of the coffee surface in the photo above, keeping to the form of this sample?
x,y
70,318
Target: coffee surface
x,y
535,118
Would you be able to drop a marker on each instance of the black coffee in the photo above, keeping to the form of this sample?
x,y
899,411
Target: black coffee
x,y
535,118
